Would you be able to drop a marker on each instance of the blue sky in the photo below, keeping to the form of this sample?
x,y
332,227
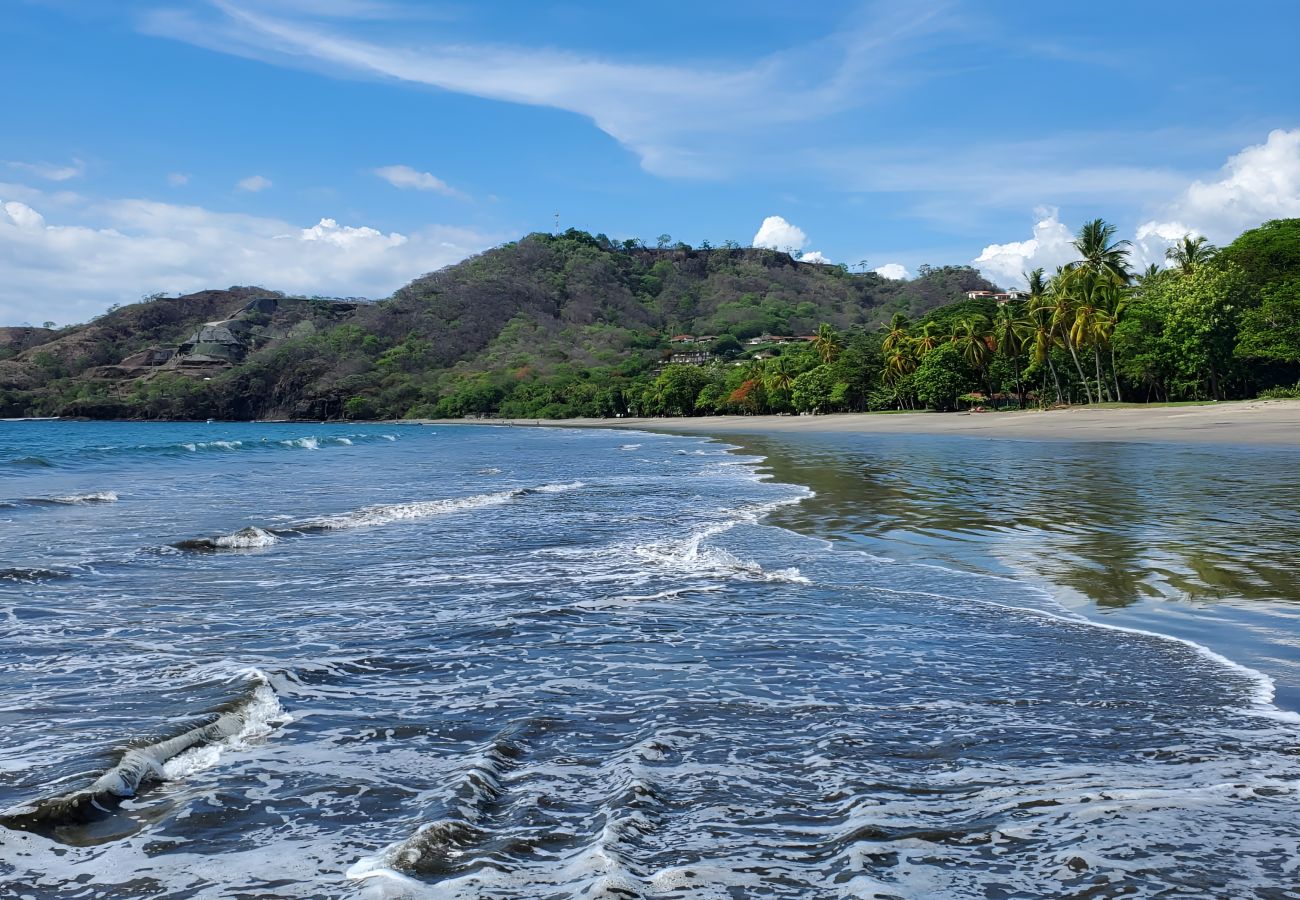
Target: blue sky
x,y
345,146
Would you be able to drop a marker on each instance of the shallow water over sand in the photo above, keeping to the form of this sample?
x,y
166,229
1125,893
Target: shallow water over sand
x,y
384,661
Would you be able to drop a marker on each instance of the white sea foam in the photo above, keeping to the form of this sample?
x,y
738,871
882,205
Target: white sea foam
x,y
249,538
692,556
79,499
260,715
560,488
383,514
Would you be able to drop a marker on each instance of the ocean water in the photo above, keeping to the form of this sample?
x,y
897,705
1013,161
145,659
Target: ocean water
x,y
383,661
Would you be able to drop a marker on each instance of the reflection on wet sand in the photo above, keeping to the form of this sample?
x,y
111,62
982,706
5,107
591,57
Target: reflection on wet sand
x,y
1203,542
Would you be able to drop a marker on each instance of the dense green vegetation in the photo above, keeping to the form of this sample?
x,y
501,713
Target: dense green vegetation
x,y
554,326
548,326
1213,325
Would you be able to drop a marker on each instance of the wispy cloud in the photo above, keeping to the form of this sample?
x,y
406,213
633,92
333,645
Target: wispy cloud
x,y
254,183
675,117
51,171
408,179
178,179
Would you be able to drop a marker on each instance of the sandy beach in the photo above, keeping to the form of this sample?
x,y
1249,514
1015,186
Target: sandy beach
x,y
1248,422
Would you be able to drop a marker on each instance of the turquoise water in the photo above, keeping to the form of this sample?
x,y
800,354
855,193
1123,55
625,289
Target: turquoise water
x,y
341,661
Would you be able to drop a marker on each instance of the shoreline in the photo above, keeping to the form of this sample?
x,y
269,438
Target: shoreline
x,y
1272,423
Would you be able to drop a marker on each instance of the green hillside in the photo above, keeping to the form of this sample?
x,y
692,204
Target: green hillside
x,y
549,325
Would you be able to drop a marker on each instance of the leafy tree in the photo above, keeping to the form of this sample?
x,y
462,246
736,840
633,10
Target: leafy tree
x,y
1271,331
727,346
812,391
674,391
943,376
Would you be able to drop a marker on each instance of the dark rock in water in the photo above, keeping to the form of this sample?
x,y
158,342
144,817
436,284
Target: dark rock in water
x,y
31,576
250,538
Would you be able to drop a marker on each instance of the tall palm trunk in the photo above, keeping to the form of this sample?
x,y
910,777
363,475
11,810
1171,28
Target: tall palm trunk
x,y
1114,372
1056,380
1087,389
1096,358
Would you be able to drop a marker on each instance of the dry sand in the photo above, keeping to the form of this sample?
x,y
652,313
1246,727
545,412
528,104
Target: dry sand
x,y
1250,422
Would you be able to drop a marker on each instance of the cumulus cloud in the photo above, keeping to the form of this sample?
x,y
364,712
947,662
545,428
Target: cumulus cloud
x,y
893,271
777,234
1261,182
1050,246
116,251
51,171
406,178
254,183
178,179
814,256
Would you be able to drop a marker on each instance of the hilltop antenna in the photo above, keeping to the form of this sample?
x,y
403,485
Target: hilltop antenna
x,y
557,223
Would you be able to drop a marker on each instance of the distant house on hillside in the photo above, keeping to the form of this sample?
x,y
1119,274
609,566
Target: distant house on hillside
x,y
682,339
1002,297
692,358
777,339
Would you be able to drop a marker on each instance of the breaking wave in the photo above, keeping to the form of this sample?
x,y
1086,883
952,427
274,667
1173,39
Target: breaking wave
x,y
250,538
254,537
77,499
193,749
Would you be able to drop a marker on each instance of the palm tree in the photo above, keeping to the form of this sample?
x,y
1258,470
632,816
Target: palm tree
x,y
1102,256
827,343
896,333
1011,331
1108,318
778,376
1151,272
927,340
1040,317
1191,252
1060,295
971,337
1089,301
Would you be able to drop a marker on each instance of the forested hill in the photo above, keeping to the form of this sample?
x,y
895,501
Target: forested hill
x,y
551,325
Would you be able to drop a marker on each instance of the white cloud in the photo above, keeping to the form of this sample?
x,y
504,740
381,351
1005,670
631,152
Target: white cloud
x,y
1050,246
178,179
51,171
778,234
1261,182
254,183
406,178
814,256
1153,239
893,271
116,251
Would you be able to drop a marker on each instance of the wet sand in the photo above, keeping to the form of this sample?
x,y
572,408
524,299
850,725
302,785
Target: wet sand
x,y
1244,422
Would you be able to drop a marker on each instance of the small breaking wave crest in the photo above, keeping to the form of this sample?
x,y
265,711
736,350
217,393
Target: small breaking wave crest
x,y
38,462
191,448
255,537
75,499
197,747
250,538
